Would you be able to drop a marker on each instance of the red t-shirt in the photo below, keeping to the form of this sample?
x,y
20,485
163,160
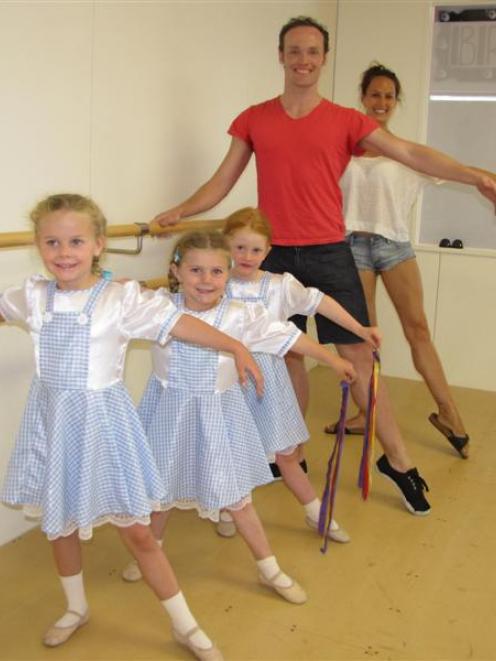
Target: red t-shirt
x,y
299,165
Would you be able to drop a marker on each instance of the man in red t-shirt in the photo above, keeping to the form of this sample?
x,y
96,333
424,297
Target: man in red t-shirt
x,y
300,161
302,144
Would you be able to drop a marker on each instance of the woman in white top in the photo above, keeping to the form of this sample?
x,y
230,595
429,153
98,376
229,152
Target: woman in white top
x,y
378,196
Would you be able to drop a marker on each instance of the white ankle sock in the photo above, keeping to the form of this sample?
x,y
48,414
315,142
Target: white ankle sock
x,y
183,620
269,568
73,588
226,516
312,510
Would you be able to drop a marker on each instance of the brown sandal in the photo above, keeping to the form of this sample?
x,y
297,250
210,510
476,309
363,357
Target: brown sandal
x,y
349,431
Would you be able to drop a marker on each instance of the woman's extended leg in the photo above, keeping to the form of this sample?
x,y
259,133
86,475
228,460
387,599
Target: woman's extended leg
x,y
404,286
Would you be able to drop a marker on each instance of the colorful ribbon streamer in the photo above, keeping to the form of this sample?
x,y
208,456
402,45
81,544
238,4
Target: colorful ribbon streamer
x,y
365,472
331,482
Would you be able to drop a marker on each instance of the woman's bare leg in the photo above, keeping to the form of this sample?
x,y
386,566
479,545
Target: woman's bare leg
x,y
404,286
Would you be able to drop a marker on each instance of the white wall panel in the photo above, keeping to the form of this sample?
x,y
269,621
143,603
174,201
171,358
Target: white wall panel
x,y
168,80
466,319
45,77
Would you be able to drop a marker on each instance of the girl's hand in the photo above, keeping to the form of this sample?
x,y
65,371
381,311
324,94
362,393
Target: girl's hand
x,y
248,368
344,369
373,336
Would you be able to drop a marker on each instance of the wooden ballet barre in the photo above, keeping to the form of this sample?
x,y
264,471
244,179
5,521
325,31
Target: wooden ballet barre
x,y
155,283
18,239
188,226
14,239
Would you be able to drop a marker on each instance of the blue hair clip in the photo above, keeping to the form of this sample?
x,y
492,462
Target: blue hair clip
x,y
176,257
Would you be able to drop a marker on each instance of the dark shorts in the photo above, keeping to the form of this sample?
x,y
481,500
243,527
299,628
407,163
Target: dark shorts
x,y
330,268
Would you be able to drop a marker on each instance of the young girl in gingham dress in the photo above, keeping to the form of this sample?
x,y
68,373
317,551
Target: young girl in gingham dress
x,y
81,457
200,429
277,414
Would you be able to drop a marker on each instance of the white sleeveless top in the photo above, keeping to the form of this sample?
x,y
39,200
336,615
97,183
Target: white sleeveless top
x,y
378,196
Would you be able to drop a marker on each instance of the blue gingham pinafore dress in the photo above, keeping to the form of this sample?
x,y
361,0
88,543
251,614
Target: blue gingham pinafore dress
x,y
277,414
205,442
81,457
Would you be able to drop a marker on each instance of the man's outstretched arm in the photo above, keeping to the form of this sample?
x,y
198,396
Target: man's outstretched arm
x,y
214,190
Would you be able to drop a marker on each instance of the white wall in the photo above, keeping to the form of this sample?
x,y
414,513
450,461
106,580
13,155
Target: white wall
x,y
129,102
393,33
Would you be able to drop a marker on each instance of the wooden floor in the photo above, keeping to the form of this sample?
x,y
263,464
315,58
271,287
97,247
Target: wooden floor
x,y
405,588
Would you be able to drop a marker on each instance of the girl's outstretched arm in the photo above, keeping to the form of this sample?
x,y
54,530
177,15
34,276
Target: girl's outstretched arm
x,y
191,329
305,346
331,309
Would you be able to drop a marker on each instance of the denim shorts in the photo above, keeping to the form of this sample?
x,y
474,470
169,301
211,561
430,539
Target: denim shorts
x,y
376,253
329,267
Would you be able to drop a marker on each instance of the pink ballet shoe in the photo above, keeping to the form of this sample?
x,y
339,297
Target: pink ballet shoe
x,y
294,593
57,635
209,654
